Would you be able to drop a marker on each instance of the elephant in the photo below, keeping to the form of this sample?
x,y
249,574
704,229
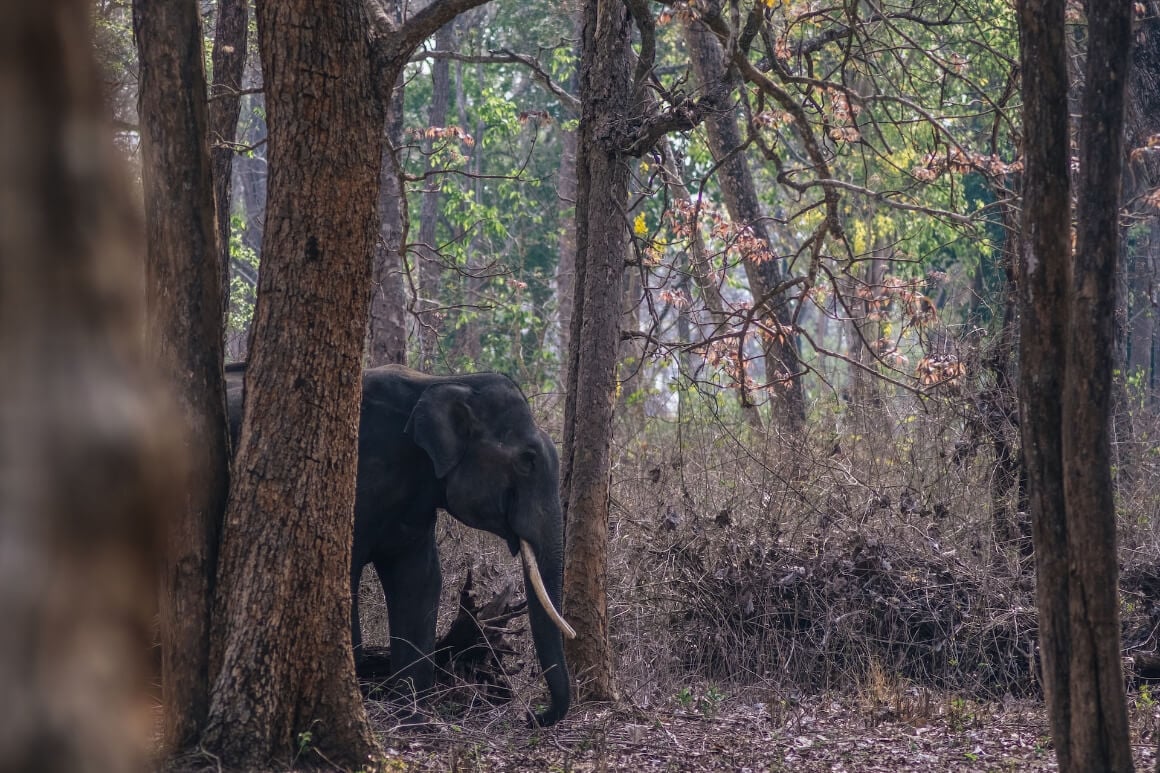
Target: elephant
x,y
467,444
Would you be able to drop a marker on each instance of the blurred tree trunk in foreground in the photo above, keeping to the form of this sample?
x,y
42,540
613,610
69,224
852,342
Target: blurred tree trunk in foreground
x,y
185,297
1066,402
87,457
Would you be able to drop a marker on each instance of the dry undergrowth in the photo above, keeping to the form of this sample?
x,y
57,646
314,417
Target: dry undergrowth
x,y
838,600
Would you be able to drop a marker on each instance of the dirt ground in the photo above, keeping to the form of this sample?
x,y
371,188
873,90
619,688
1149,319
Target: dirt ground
x,y
713,732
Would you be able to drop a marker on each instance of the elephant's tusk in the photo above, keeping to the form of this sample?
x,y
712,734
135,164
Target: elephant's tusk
x,y
541,591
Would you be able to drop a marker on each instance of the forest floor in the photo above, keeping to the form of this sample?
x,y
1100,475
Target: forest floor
x,y
725,734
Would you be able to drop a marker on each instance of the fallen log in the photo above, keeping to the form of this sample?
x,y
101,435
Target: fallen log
x,y
473,658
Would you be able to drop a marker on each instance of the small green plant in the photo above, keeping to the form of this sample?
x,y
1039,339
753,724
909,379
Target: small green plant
x,y
305,741
710,702
959,714
685,697
1144,698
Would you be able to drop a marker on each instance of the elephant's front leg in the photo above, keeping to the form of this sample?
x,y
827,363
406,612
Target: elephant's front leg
x,y
412,582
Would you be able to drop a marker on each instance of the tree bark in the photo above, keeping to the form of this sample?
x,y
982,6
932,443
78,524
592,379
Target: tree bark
x,y
1098,734
286,681
763,272
88,458
229,64
387,339
566,249
184,291
1044,319
430,262
1065,407
601,241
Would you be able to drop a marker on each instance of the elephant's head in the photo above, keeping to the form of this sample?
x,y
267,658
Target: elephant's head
x,y
501,474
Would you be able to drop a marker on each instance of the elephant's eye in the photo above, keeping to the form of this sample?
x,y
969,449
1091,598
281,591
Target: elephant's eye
x,y
526,461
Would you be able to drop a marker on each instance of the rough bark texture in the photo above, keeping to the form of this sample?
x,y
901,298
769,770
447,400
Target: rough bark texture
x,y
764,273
430,263
184,291
229,64
601,241
1065,407
87,458
1043,329
287,667
387,339
1098,734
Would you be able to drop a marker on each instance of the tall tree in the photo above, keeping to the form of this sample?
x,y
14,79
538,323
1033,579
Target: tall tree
x,y
427,250
283,599
87,455
1098,735
387,336
602,238
763,269
1043,307
1065,404
184,290
229,65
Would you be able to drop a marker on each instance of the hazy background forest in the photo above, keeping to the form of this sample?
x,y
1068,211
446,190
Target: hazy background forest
x,y
816,477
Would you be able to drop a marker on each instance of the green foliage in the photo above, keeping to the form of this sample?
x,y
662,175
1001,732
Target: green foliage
x,y
241,301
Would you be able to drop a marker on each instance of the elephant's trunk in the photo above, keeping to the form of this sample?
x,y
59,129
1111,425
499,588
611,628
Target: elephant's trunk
x,y
544,567
537,581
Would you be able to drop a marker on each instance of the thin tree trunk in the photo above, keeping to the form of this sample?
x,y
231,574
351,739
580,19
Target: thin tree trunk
x,y
566,263
1098,735
430,262
601,240
763,272
701,270
999,405
286,681
87,456
184,288
1044,321
252,171
229,64
387,341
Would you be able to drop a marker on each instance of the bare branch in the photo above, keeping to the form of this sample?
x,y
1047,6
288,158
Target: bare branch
x,y
568,101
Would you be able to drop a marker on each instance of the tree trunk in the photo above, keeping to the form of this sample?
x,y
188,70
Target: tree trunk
x,y
184,288
87,455
1044,317
387,339
999,406
1065,408
1098,734
601,241
229,64
1142,120
252,170
763,272
566,248
703,274
430,262
286,682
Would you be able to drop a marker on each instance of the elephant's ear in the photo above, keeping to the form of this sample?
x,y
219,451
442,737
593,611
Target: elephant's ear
x,y
441,424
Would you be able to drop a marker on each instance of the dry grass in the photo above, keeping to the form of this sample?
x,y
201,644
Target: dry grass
x,y
768,589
